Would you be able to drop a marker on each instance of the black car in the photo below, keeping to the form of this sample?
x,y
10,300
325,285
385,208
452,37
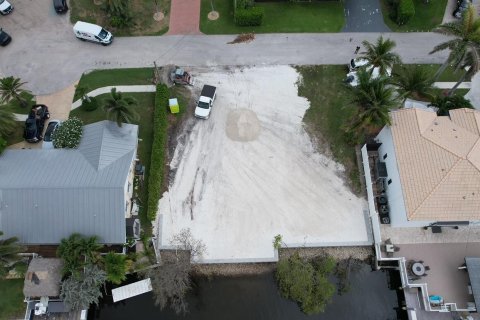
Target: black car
x,y
462,6
60,6
31,133
39,113
4,38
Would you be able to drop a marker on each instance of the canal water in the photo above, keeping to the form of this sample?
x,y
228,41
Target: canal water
x,y
371,296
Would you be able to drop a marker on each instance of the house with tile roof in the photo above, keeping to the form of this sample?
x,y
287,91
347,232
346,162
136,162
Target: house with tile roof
x,y
432,166
422,175
48,194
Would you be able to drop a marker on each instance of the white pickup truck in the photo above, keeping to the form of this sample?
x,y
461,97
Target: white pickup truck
x,y
205,102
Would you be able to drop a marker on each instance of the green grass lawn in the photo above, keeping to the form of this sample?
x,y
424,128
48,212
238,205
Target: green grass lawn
x,y
11,299
142,12
427,16
321,16
102,78
329,110
449,75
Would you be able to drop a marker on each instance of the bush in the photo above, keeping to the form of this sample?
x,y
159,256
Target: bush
x,y
69,134
90,104
115,267
249,17
405,11
157,162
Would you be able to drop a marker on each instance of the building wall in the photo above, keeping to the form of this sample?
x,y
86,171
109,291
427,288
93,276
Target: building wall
x,y
398,216
128,187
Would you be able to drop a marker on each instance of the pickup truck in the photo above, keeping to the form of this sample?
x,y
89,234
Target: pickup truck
x,y
205,102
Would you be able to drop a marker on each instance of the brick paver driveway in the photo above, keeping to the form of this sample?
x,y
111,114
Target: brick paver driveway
x,y
185,17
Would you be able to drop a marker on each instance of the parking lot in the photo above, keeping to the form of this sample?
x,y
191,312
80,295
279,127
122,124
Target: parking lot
x,y
251,172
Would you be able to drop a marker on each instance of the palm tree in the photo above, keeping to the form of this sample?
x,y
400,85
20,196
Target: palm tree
x,y
9,250
115,267
413,82
380,55
374,99
470,65
467,39
118,108
11,88
8,122
449,102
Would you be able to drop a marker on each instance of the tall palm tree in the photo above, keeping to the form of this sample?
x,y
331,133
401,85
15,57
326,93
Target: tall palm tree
x,y
11,88
467,38
470,65
9,250
8,122
413,82
119,108
374,99
380,55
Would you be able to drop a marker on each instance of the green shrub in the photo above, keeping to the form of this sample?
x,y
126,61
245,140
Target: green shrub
x,y
405,11
249,17
157,162
306,282
3,144
115,267
69,134
90,104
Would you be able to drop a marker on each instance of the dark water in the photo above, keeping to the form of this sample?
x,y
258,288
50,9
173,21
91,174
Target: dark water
x,y
256,297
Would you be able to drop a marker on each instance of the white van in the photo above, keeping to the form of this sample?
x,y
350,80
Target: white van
x,y
91,32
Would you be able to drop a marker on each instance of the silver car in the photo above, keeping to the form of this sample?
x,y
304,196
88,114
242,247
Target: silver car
x,y
47,138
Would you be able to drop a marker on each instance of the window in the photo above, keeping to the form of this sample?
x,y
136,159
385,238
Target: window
x,y
126,206
389,181
129,187
384,156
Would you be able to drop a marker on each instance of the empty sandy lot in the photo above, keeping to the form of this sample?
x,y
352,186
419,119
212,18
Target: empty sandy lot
x,y
250,172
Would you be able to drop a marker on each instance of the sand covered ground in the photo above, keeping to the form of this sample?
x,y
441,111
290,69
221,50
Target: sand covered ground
x,y
251,172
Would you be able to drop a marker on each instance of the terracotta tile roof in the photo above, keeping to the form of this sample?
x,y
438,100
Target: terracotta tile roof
x,y
439,163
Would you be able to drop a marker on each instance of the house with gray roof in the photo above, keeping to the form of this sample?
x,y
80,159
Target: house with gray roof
x,y
46,195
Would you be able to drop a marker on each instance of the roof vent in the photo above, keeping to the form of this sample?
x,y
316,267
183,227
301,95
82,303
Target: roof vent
x,y
435,123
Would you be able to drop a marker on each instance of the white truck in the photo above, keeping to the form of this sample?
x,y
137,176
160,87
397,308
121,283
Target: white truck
x,y
91,32
205,102
5,7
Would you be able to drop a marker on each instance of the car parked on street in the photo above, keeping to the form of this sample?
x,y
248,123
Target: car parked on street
x,y
462,6
47,138
60,6
5,7
4,38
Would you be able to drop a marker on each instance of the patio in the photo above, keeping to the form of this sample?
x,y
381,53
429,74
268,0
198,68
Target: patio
x,y
444,278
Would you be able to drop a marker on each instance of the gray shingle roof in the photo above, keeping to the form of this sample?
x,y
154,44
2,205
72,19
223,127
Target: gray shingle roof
x,y
43,278
46,195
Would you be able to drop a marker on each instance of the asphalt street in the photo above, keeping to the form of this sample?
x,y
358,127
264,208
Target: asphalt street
x,y
364,16
50,65
45,53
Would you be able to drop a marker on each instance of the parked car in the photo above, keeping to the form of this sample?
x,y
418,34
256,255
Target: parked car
x,y
357,63
47,138
5,7
352,76
41,115
60,6
462,6
30,132
205,102
91,32
4,38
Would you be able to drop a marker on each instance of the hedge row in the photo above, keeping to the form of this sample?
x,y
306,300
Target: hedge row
x,y
249,17
246,14
405,11
157,161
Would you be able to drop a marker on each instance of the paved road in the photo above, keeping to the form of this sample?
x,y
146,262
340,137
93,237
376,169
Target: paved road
x,y
56,63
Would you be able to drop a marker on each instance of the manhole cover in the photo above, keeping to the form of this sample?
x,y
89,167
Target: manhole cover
x,y
242,125
213,15
158,16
